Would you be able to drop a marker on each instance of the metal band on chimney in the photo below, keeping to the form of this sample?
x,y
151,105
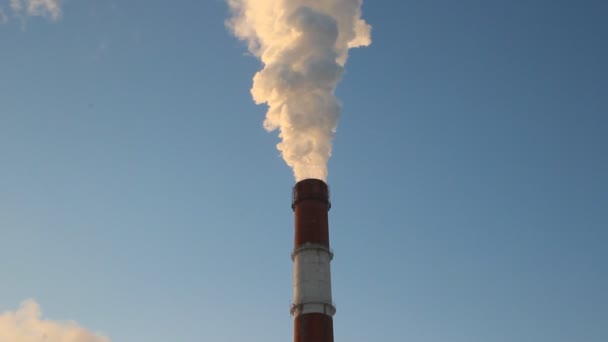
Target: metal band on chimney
x,y
312,281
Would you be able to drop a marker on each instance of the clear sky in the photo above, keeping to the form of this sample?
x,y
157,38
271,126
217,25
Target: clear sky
x,y
141,197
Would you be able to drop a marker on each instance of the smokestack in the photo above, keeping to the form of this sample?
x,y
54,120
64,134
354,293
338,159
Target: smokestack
x,y
303,46
312,307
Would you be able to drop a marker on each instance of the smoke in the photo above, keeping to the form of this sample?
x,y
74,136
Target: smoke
x,y
40,8
303,45
26,325
3,16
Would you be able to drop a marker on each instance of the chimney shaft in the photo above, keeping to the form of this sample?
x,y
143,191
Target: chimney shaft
x,y
312,307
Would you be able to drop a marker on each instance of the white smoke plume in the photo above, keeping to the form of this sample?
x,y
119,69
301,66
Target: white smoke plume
x,y
3,16
303,45
27,325
41,8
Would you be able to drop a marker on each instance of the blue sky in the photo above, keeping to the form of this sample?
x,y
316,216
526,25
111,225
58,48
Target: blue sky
x,y
141,197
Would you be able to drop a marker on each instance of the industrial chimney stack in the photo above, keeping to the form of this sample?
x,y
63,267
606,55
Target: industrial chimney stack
x,y
312,307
